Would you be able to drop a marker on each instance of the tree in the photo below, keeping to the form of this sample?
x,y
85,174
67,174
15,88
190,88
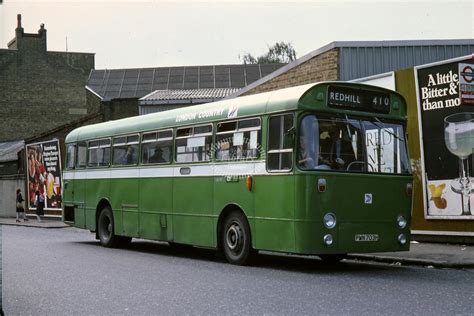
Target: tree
x,y
279,53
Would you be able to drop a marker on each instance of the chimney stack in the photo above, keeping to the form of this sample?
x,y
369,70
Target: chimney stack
x,y
18,18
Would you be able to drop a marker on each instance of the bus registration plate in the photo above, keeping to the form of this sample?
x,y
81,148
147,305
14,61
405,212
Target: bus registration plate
x,y
366,237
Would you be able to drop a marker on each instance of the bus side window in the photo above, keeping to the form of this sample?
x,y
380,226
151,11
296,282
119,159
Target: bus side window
x,y
193,144
238,140
81,155
125,150
70,156
280,143
157,147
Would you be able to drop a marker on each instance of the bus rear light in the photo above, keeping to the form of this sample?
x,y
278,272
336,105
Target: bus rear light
x,y
249,183
321,185
409,189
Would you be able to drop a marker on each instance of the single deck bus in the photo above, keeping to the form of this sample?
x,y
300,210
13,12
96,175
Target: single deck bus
x,y
319,169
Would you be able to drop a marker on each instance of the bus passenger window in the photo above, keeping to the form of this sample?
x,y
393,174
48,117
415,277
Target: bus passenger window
x,y
280,142
99,153
238,140
125,150
70,155
81,155
193,144
157,147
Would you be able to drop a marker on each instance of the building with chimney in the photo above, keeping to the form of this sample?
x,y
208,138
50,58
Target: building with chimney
x,y
40,90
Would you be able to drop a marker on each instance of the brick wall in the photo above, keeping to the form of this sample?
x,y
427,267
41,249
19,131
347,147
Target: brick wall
x,y
40,90
322,67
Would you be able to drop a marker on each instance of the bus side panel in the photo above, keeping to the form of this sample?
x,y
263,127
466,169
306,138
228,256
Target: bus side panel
x,y
124,199
156,206
95,190
192,210
79,201
274,212
233,190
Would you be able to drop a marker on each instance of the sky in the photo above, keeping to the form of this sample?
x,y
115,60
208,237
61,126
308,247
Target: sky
x,y
136,34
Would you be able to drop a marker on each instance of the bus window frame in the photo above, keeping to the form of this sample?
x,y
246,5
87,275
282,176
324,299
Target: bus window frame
x,y
211,133
98,147
157,140
73,158
236,130
113,144
292,149
76,159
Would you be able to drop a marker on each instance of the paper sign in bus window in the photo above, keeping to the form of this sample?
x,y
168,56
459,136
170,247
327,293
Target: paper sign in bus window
x,y
196,142
380,150
238,139
253,139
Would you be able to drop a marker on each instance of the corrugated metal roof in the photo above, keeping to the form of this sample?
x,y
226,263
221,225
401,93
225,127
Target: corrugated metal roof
x,y
186,96
136,83
367,58
9,150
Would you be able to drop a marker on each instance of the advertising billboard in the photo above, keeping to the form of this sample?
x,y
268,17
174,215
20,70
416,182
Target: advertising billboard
x,y
44,174
447,141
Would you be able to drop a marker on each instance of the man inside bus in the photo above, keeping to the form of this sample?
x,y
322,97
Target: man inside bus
x,y
128,157
157,156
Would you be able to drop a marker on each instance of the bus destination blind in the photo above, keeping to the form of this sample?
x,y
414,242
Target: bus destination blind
x,y
358,100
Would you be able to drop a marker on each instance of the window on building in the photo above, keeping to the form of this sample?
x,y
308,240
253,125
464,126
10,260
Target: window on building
x,y
280,142
193,144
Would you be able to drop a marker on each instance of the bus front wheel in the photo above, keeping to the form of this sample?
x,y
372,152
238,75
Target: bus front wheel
x,y
105,229
236,241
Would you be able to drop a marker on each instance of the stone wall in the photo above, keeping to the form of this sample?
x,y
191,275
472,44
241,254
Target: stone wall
x,y
323,67
40,90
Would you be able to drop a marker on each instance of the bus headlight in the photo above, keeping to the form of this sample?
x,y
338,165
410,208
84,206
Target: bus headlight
x,y
402,239
328,240
401,222
329,220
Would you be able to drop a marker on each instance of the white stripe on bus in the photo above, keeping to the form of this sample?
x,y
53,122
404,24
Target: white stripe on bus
x,y
249,168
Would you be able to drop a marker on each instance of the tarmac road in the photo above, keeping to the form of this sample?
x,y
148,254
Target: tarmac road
x,y
65,271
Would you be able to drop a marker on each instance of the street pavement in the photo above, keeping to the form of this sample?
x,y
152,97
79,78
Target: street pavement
x,y
439,255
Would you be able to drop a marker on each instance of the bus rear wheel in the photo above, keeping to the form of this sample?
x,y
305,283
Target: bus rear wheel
x,y
236,241
105,229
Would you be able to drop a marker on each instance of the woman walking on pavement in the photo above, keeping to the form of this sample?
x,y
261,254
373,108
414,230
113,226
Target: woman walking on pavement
x,y
39,206
20,209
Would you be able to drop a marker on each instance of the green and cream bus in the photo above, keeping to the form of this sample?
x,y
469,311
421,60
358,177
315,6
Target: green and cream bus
x,y
320,169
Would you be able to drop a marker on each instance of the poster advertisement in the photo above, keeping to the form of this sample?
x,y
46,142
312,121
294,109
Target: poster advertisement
x,y
447,129
44,174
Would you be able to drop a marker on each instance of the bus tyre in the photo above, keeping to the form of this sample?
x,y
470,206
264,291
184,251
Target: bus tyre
x,y
105,228
236,241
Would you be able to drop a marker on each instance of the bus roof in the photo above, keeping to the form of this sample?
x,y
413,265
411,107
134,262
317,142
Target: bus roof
x,y
269,102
